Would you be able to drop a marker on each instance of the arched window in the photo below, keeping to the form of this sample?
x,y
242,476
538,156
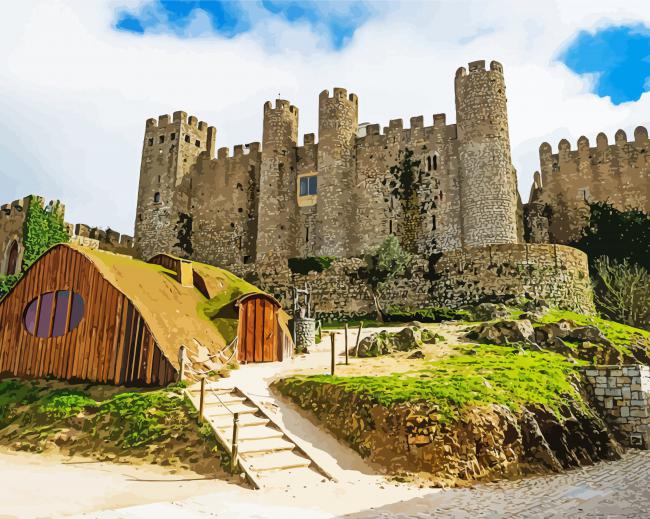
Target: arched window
x,y
54,314
12,259
156,198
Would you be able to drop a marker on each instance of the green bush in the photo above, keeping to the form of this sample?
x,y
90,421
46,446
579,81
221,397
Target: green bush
x,y
65,403
311,264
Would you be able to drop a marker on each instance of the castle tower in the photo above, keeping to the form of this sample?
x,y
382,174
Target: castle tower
x,y
488,184
337,127
277,179
170,148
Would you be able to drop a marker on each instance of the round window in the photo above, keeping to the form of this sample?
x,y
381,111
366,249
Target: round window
x,y
54,313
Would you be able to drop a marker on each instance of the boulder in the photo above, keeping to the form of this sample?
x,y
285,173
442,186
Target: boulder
x,y
385,342
488,311
504,332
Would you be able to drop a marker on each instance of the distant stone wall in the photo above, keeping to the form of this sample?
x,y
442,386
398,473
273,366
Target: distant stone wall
x,y
623,395
557,274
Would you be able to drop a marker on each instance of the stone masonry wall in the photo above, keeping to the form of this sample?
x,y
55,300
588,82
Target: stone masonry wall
x,y
618,174
623,395
554,273
12,221
557,274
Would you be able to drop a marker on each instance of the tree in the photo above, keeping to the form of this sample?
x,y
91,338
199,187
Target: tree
x,y
620,235
622,291
384,264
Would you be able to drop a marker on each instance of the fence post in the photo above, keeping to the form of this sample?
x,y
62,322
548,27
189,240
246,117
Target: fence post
x,y
356,347
181,362
235,439
202,400
346,344
333,339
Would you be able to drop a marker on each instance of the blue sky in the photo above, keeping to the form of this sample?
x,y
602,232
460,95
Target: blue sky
x,y
335,20
618,56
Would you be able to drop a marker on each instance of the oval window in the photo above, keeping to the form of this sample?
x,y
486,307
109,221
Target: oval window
x,y
54,313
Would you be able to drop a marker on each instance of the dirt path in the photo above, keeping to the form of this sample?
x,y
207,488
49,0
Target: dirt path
x,y
49,485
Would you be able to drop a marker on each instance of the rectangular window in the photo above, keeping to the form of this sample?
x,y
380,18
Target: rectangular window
x,y
162,139
304,186
197,144
151,142
312,185
173,136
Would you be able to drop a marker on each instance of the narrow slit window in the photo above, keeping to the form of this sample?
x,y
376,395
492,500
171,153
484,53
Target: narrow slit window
x,y
156,198
197,144
173,136
435,162
187,138
161,139
151,142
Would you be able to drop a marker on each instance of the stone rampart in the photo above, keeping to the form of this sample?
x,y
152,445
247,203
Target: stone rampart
x,y
557,274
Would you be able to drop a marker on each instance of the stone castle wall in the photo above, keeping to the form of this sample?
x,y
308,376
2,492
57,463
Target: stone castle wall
x,y
617,173
409,182
12,221
557,274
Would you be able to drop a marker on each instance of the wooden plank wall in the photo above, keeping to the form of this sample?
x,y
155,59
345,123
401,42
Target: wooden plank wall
x,y
258,330
112,343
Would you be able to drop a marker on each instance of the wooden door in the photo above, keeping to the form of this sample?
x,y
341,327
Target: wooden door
x,y
257,330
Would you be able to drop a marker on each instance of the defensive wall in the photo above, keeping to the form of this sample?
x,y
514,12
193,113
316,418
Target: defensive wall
x,y
617,173
556,274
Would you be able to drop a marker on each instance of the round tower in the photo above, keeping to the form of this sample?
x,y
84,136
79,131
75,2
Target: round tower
x,y
488,183
277,179
337,129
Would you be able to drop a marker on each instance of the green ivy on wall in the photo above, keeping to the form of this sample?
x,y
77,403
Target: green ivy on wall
x,y
43,229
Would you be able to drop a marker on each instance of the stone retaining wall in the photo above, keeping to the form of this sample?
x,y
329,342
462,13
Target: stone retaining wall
x,y
623,395
557,274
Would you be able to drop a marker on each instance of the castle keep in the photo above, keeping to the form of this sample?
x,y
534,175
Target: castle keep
x,y
438,188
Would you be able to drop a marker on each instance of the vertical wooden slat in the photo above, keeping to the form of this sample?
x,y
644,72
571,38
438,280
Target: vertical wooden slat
x,y
259,329
250,330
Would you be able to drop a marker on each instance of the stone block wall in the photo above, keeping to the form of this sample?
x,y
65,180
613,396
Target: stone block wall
x,y
622,393
557,274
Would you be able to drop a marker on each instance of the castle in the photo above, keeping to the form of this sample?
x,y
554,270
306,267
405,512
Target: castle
x,y
437,188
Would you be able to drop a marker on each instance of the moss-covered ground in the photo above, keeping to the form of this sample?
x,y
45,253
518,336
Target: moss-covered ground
x,y
475,375
154,426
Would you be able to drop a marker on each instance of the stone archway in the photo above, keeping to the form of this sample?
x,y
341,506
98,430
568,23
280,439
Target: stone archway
x,y
11,259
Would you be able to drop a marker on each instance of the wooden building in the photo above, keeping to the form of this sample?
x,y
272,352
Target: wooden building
x,y
82,314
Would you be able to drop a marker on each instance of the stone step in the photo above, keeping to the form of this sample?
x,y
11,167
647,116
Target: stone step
x,y
275,461
221,410
252,432
258,446
196,389
245,420
226,398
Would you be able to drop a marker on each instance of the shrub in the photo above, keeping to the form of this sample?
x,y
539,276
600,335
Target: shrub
x,y
623,291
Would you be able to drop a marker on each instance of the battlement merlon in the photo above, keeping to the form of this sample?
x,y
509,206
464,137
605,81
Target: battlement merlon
x,y
338,94
477,67
602,142
239,150
175,122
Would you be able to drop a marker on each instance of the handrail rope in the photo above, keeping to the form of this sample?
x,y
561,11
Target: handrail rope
x,y
210,357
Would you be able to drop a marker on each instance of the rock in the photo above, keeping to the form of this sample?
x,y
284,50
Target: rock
x,y
488,311
417,354
385,342
504,332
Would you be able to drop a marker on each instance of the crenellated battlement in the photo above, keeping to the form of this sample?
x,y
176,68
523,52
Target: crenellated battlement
x,y
106,239
564,148
477,67
174,122
239,150
338,94
281,105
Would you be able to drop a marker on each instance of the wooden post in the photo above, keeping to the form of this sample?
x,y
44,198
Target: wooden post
x,y
333,338
235,447
346,344
356,346
202,400
181,362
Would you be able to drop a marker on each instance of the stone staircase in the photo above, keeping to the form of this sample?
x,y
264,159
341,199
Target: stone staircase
x,y
268,455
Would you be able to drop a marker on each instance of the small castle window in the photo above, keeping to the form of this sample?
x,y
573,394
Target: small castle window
x,y
187,138
161,139
435,162
308,185
140,217
173,136
197,144
156,198
433,223
390,226
247,260
428,163
307,234
159,179
151,142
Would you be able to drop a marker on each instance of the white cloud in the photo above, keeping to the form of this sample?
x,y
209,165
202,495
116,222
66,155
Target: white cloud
x,y
74,93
